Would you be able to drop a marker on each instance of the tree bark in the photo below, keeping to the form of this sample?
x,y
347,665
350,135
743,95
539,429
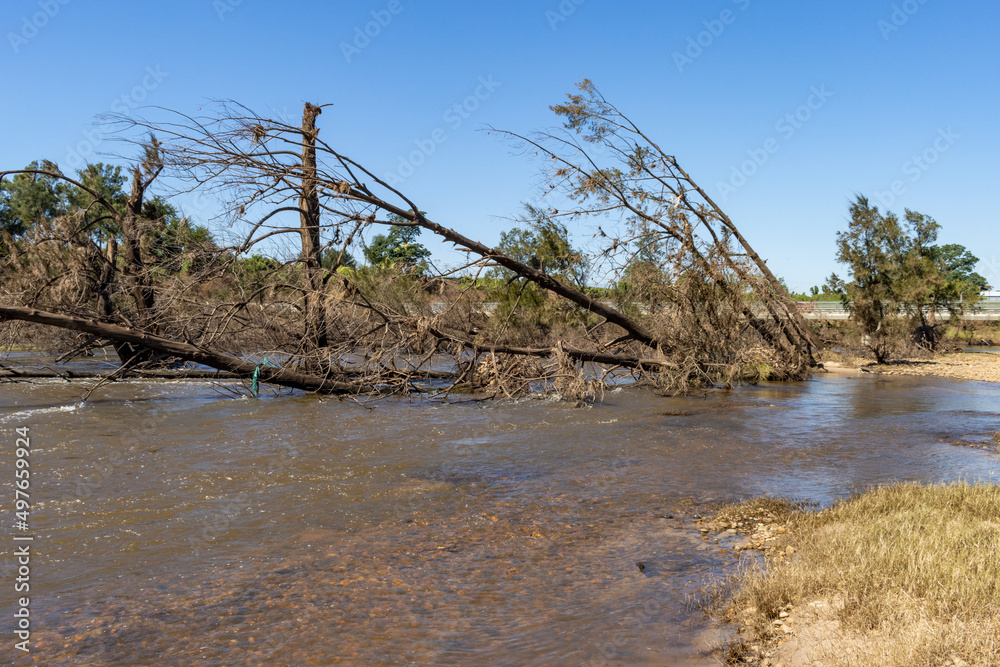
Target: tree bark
x,y
142,287
635,330
545,352
802,335
309,217
105,306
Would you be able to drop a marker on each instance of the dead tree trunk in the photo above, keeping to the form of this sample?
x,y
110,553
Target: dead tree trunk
x,y
799,335
224,362
142,289
309,217
635,330
103,288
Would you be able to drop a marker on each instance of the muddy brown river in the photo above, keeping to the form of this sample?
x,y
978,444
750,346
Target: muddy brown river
x,y
176,524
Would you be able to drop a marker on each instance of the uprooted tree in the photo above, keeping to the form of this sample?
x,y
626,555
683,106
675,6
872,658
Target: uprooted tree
x,y
690,303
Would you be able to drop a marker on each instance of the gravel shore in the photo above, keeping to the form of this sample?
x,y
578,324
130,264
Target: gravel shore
x,y
961,366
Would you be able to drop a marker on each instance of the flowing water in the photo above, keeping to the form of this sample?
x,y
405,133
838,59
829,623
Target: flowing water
x,y
176,524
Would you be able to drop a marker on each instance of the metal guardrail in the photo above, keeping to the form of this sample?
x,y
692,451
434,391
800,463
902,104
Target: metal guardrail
x,y
820,306
835,310
811,310
987,307
837,306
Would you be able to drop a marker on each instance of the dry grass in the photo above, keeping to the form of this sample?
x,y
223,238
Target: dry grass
x,y
909,576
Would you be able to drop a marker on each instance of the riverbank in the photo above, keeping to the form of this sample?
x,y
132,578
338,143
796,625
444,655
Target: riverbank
x,y
901,575
958,365
961,366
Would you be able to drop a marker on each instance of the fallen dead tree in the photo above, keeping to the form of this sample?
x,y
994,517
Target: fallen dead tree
x,y
715,313
280,376
48,372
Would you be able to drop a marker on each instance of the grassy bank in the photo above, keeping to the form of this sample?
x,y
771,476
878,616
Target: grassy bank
x,y
903,575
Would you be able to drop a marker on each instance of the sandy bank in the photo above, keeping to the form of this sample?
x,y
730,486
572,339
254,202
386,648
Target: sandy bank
x,y
981,367
961,366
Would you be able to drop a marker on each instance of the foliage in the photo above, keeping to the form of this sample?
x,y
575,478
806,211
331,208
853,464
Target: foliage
x,y
173,241
958,265
523,307
256,265
334,260
543,244
398,247
644,274
900,279
27,200
824,293
30,198
107,181
874,247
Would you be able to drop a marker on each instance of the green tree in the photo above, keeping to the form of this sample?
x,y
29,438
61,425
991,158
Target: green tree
x,y
958,265
644,272
255,271
835,285
398,248
333,260
30,198
544,244
107,181
173,241
871,247
899,278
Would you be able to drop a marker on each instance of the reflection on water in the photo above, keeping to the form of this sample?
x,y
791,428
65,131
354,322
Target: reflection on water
x,y
178,526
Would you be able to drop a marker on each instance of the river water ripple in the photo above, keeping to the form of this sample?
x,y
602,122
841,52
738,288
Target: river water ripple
x,y
177,525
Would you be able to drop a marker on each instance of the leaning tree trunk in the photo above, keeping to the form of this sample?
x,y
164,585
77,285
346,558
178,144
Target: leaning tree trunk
x,y
793,325
309,217
635,330
280,376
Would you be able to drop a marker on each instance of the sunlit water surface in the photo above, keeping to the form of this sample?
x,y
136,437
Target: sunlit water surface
x,y
176,524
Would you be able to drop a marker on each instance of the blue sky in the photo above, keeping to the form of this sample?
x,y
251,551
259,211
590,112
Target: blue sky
x,y
839,97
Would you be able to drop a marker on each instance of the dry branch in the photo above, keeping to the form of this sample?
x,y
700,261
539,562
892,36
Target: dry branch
x,y
714,311
280,376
